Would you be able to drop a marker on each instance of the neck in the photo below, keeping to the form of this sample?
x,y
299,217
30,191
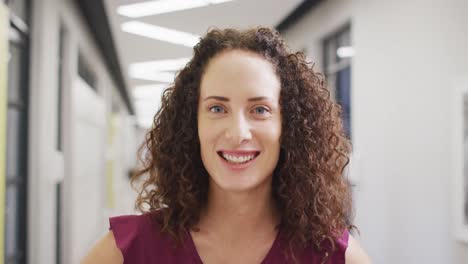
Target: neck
x,y
237,214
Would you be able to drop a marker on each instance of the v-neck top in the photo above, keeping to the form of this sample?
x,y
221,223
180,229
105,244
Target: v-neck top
x,y
269,258
141,241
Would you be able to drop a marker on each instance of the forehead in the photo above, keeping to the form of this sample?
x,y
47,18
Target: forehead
x,y
240,72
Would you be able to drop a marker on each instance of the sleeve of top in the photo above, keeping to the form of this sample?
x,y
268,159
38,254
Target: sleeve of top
x,y
126,229
341,246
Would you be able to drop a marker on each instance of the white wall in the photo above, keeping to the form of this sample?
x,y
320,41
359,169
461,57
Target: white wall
x,y
43,162
84,219
409,56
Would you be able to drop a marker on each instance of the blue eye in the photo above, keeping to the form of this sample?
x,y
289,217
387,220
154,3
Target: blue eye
x,y
261,110
216,109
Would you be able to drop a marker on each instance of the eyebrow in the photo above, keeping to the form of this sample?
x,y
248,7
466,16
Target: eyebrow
x,y
225,99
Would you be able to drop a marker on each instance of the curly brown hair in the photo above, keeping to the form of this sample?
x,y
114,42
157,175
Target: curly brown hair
x,y
311,193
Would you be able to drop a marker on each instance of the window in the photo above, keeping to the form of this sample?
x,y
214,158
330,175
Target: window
x,y
17,134
338,52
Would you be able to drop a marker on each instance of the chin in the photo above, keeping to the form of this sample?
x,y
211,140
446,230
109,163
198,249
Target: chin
x,y
238,185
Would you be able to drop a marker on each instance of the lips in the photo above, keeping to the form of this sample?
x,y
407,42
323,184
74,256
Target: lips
x,y
236,162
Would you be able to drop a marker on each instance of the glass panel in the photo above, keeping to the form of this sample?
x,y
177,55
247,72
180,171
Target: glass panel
x,y
16,143
16,188
338,72
343,95
15,93
343,40
11,242
13,117
15,215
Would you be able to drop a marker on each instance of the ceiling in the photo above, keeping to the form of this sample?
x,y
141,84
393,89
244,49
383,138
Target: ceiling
x,y
133,48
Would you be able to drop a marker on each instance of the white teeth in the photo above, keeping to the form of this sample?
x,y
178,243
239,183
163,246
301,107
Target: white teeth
x,y
238,159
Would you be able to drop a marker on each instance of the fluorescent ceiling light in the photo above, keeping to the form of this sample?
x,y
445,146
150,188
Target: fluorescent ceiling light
x,y
160,33
147,108
162,65
345,52
148,92
149,8
152,87
165,77
160,71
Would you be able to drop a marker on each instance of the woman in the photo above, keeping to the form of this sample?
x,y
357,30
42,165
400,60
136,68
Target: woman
x,y
244,164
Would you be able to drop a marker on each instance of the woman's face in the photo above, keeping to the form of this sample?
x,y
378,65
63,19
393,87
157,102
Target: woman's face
x,y
239,121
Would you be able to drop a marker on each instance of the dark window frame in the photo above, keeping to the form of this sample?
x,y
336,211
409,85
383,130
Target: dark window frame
x,y
60,84
16,185
338,72
86,72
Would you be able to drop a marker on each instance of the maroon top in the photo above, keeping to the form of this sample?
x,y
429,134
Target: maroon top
x,y
140,241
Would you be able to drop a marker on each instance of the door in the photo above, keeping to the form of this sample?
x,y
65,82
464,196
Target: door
x,y
88,161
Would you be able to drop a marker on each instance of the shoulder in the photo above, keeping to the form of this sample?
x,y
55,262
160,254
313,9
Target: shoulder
x,y
105,251
355,254
133,233
127,239
126,230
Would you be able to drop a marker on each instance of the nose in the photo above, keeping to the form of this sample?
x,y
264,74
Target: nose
x,y
239,130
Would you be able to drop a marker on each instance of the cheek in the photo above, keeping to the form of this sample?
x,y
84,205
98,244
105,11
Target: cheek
x,y
202,136
205,134
270,137
274,137
274,133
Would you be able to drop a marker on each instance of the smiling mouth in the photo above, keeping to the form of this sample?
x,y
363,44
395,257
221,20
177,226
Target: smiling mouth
x,y
238,158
